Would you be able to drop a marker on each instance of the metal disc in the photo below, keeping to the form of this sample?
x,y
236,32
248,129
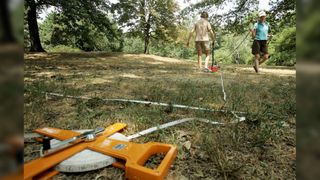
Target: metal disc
x,y
87,160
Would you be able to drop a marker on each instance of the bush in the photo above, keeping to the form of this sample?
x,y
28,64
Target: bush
x,y
136,45
237,45
133,45
283,48
172,50
57,30
63,48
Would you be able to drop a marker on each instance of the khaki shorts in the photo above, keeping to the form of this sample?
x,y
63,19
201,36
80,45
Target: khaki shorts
x,y
203,46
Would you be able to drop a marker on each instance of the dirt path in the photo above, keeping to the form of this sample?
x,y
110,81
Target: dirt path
x,y
274,71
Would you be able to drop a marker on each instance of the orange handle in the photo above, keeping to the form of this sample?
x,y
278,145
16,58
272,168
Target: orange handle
x,y
136,170
136,155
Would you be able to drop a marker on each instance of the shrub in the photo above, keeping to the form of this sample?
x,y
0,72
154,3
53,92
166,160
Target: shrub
x,y
133,45
63,48
283,48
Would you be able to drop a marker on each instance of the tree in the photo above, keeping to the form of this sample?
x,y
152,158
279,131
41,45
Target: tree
x,y
92,12
35,44
81,34
237,19
282,14
149,19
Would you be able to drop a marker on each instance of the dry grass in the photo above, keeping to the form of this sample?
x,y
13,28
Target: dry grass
x,y
262,147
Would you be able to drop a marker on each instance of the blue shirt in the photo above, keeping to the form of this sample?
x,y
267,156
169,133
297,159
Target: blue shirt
x,y
262,29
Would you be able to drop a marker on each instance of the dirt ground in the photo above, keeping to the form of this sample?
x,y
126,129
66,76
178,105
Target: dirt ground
x,y
262,147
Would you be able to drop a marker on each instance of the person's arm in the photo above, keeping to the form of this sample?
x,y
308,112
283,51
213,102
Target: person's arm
x,y
190,35
254,31
211,33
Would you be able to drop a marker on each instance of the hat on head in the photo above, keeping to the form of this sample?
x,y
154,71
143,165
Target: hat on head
x,y
262,13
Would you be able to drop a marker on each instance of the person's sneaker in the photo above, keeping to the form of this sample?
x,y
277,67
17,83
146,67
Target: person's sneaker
x,y
205,69
256,69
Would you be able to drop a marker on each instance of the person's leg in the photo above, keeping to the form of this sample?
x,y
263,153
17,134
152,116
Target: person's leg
x,y
200,59
199,51
207,48
264,50
265,57
256,53
256,63
207,59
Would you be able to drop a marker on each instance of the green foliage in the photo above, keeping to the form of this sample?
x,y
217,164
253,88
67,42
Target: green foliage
x,y
81,34
79,23
283,48
282,14
227,52
63,48
133,45
171,50
175,50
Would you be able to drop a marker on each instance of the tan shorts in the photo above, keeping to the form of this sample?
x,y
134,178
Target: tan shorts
x,y
203,45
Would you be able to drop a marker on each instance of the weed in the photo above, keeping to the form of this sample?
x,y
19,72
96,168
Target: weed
x,y
217,148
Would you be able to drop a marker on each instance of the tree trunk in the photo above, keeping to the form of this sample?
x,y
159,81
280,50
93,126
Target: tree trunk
x,y
6,23
147,36
33,27
146,44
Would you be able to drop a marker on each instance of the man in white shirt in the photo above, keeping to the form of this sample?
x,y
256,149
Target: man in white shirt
x,y
202,29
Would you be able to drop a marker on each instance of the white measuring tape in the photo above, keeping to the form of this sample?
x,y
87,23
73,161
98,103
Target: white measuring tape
x,y
151,102
224,93
176,122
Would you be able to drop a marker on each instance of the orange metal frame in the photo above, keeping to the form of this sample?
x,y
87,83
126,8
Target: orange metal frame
x,y
134,155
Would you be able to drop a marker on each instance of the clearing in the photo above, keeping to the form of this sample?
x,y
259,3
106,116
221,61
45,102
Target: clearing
x,y
262,147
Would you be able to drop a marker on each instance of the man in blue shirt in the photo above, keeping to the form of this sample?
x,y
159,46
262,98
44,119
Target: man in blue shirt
x,y
260,35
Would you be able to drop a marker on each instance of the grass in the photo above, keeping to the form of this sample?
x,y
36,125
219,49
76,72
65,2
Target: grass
x,y
263,146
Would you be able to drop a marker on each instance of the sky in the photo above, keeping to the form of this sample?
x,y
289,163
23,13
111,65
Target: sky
x,y
183,3
264,5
